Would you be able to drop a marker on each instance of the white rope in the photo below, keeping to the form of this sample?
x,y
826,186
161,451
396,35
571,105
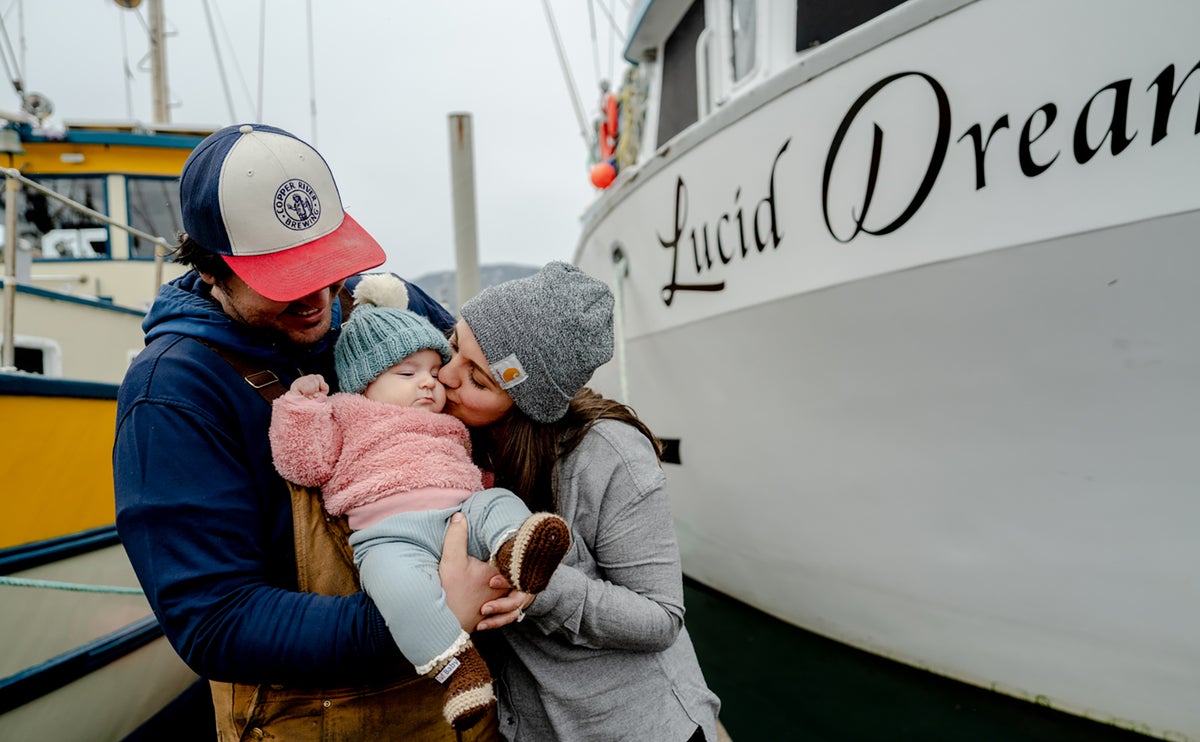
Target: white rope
x,y
152,239
71,586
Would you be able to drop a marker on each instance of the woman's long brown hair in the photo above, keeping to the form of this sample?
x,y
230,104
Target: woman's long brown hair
x,y
523,453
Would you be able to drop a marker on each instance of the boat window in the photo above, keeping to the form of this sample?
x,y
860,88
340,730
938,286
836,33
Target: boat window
x,y
741,32
153,208
679,107
818,21
55,231
30,360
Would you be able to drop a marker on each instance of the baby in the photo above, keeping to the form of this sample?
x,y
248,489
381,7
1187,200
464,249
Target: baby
x,y
386,458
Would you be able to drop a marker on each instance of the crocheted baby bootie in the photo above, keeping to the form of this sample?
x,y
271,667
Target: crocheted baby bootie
x,y
529,558
468,688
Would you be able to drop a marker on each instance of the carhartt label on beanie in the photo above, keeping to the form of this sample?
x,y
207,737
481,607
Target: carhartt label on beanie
x,y
381,333
508,371
544,336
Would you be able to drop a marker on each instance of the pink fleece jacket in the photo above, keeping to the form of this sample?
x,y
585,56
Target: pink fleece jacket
x,y
359,452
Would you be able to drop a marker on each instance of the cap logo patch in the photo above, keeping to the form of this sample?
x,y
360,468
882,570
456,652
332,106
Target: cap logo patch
x,y
508,371
297,205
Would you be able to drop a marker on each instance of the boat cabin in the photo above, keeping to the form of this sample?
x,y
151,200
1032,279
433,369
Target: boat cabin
x,y
695,56
82,285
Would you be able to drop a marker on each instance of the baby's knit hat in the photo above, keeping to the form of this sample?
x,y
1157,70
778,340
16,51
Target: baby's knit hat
x,y
380,333
544,335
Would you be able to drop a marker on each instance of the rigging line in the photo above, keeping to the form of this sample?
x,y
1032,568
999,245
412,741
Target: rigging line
x,y
612,64
595,44
566,70
233,53
142,63
6,51
262,50
21,68
312,78
212,34
126,69
612,23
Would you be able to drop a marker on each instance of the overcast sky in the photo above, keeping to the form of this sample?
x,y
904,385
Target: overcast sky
x,y
387,75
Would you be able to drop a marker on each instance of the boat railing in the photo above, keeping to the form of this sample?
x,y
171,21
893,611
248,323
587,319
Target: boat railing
x,y
13,179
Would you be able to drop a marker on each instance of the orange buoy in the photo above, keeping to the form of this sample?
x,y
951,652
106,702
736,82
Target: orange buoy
x,y
603,174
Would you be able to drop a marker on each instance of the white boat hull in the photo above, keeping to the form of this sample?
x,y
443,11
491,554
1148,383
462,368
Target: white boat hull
x,y
112,700
962,436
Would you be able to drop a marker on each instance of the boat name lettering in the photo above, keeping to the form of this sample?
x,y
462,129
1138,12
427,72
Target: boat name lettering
x,y
702,258
1117,132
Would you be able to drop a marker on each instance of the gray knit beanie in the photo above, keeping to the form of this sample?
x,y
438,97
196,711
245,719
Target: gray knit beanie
x,y
380,334
544,335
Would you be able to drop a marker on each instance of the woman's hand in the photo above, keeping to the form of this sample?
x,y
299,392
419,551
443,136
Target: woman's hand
x,y
507,609
466,580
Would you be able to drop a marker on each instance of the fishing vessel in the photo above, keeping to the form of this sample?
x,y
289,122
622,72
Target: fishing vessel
x,y
81,283
907,287
83,657
88,211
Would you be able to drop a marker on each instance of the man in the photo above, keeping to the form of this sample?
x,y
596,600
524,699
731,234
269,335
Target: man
x,y
209,526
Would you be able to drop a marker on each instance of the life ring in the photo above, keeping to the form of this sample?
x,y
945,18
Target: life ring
x,y
608,127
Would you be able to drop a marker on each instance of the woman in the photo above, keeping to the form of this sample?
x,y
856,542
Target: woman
x,y
602,652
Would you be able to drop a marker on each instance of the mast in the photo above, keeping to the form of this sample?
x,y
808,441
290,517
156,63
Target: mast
x,y
158,62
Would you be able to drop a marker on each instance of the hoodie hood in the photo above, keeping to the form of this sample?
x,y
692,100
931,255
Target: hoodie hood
x,y
185,307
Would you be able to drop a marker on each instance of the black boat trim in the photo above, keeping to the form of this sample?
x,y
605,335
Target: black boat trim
x,y
41,680
28,556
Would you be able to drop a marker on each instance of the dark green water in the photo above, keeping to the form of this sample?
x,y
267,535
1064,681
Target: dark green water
x,y
777,682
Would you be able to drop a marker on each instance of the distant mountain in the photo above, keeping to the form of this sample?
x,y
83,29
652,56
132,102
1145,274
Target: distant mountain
x,y
441,285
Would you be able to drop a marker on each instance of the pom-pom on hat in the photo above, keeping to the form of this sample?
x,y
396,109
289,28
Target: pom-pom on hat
x,y
381,333
266,202
544,336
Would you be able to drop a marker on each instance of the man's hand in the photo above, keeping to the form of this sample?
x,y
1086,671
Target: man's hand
x,y
466,580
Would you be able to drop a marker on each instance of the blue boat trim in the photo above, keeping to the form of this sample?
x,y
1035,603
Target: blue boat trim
x,y
95,135
27,556
40,680
108,306
34,385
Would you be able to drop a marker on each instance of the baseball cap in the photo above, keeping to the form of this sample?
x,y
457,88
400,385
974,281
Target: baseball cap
x,y
266,202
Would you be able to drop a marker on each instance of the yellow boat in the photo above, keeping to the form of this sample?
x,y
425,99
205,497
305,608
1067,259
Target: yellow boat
x,y
82,657
82,284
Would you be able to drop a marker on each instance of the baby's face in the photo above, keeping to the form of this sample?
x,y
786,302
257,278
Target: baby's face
x,y
411,383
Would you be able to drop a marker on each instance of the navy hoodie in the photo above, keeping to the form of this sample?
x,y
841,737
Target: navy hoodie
x,y
207,521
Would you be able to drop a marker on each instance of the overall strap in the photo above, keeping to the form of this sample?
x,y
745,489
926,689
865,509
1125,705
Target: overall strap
x,y
324,557
263,380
